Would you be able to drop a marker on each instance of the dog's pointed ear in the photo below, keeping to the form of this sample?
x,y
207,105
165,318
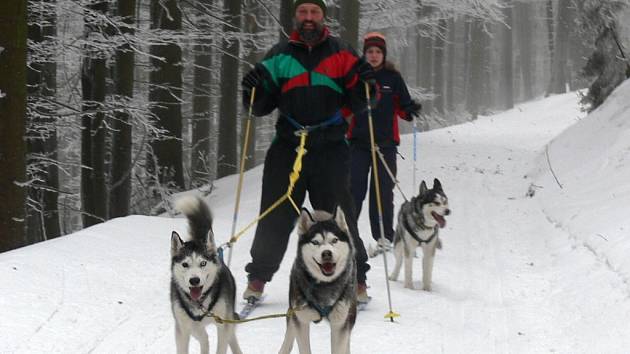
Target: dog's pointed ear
x,y
176,243
423,188
340,219
305,222
210,245
437,186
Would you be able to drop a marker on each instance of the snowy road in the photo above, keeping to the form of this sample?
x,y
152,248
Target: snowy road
x,y
507,280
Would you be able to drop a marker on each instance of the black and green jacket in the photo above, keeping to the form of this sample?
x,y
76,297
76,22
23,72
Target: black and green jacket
x,y
310,85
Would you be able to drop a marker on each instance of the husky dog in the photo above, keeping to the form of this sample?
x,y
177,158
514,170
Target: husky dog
x,y
200,283
419,221
323,282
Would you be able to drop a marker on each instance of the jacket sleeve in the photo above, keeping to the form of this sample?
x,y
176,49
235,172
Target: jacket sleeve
x,y
267,93
355,96
403,103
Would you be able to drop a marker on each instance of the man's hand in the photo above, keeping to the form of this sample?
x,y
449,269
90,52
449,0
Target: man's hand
x,y
252,79
413,111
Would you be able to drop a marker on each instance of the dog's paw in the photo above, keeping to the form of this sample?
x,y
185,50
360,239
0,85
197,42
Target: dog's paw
x,y
410,286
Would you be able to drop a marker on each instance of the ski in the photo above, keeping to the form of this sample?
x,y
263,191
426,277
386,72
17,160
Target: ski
x,y
250,306
361,306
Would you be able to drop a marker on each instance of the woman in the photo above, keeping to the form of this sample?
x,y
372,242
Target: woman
x,y
393,103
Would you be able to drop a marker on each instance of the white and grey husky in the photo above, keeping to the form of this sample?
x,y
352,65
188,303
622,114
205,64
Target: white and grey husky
x,y
419,222
323,282
200,283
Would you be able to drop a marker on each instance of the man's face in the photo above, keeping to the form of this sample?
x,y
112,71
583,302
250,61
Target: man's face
x,y
309,21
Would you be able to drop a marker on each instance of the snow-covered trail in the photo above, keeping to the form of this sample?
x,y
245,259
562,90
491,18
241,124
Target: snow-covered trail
x,y
506,281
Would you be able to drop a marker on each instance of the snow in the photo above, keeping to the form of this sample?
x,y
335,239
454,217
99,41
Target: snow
x,y
517,274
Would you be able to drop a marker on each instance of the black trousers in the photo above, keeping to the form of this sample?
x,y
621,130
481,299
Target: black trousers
x,y
361,162
326,176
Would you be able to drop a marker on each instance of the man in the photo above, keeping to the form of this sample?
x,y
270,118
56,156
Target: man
x,y
308,79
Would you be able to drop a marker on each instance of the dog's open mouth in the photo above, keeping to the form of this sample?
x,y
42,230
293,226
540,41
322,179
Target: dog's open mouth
x,y
327,268
195,292
439,218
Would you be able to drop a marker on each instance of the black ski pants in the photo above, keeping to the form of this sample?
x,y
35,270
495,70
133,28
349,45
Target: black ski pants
x,y
326,176
361,162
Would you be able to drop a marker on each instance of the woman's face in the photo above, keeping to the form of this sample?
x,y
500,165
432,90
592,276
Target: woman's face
x,y
374,56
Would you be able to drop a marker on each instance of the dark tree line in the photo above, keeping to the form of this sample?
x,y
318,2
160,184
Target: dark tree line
x,y
117,104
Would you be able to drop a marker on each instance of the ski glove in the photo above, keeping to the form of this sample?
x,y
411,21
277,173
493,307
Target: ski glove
x,y
413,111
253,78
366,73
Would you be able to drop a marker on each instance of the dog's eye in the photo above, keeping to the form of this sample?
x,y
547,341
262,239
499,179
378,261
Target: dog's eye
x,y
315,242
334,240
203,263
185,265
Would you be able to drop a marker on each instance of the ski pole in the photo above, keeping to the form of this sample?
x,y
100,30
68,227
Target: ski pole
x,y
390,173
242,172
415,129
391,314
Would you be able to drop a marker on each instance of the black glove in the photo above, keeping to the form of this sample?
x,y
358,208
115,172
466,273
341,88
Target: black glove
x,y
365,72
253,78
413,111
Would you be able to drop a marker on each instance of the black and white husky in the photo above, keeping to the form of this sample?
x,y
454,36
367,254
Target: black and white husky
x,y
419,222
323,282
200,283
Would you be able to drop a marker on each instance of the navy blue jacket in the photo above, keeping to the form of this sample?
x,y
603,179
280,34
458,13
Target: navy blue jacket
x,y
393,101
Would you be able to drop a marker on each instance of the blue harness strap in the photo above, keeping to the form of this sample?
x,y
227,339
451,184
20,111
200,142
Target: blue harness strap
x,y
336,119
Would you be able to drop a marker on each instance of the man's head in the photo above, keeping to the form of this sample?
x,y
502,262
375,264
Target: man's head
x,y
309,19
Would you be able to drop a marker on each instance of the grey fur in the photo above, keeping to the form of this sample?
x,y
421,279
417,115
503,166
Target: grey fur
x,y
418,226
313,299
218,292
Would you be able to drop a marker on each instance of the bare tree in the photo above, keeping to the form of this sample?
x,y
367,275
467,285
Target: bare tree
x,y
506,84
41,136
349,19
228,160
13,31
93,76
559,76
120,189
165,92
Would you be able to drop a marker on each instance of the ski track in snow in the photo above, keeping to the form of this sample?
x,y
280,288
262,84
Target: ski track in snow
x,y
508,279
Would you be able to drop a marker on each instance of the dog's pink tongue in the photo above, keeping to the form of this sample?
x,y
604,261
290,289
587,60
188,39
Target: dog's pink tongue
x,y
328,267
195,292
440,219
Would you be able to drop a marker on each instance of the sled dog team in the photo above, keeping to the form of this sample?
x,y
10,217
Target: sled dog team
x,y
322,281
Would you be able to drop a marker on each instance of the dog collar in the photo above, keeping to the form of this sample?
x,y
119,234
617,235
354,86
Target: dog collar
x,y
415,236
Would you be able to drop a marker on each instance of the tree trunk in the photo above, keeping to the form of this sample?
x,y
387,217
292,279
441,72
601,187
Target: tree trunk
x,y
476,67
350,21
450,76
13,33
523,18
439,48
228,160
165,94
286,18
506,84
559,67
43,220
254,55
202,115
120,190
93,75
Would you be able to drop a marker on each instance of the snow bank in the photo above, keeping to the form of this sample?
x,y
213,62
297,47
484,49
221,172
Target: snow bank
x,y
591,160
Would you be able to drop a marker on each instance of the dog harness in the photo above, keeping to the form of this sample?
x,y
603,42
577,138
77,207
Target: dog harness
x,y
410,230
214,291
336,119
323,311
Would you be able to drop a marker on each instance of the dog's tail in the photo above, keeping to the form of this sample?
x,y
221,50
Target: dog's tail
x,y
199,217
